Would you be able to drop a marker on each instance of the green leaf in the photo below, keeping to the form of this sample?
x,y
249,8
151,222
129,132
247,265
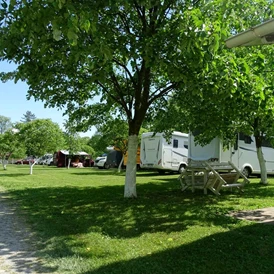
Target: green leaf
x,y
85,24
262,96
57,34
72,36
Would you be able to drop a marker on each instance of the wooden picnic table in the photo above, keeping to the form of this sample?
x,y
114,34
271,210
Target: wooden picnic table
x,y
211,176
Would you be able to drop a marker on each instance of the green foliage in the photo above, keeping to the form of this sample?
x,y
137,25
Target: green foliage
x,y
75,143
41,136
11,145
129,53
233,92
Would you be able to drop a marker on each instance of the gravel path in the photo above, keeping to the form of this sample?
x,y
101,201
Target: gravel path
x,y
16,242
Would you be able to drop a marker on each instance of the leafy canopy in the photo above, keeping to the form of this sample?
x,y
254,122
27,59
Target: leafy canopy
x,y
41,136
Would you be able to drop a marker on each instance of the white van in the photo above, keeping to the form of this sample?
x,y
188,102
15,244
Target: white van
x,y
243,154
164,155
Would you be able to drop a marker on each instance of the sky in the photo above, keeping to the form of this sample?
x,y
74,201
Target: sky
x,y
14,104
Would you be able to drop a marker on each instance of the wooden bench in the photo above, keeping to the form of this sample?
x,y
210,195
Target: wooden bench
x,y
212,176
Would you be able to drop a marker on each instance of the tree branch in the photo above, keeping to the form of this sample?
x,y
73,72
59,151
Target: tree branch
x,y
141,14
126,69
165,90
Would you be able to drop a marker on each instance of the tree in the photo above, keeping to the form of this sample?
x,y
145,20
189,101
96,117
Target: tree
x,y
28,117
41,136
248,108
114,132
73,142
5,124
10,144
231,93
98,143
132,54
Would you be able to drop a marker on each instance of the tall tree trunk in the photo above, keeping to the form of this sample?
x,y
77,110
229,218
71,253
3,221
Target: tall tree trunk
x,y
261,160
130,179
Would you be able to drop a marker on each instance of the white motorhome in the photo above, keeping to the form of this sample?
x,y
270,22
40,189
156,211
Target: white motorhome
x,y
164,155
242,154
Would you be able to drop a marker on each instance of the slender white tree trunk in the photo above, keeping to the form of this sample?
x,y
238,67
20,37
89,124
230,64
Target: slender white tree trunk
x,y
31,165
120,165
4,163
262,166
130,180
69,161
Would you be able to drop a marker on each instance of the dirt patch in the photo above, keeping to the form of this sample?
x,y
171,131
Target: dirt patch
x,y
263,215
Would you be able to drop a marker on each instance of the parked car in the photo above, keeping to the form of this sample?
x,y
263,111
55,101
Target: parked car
x,y
25,161
100,161
49,161
45,160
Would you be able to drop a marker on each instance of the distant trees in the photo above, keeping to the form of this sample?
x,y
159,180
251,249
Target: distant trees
x,y
5,124
41,136
28,117
10,144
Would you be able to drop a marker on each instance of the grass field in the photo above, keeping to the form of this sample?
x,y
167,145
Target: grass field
x,y
84,225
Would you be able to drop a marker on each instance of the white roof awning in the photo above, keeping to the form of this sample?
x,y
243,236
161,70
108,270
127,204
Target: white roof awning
x,y
262,34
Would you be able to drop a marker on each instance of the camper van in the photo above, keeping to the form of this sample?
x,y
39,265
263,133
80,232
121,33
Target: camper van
x,y
242,154
164,155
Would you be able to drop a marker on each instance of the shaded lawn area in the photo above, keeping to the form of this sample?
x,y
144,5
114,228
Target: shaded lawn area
x,y
84,225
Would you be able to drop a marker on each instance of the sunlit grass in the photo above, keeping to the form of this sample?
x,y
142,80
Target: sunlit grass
x,y
86,226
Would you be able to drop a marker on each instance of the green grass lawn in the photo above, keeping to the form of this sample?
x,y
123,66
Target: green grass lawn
x,y
84,225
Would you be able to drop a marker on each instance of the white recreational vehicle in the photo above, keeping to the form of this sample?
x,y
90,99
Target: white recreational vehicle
x,y
164,155
242,154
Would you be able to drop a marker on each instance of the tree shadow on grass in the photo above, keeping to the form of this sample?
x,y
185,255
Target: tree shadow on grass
x,y
247,249
113,171
105,208
161,206
14,175
100,172
61,212
255,190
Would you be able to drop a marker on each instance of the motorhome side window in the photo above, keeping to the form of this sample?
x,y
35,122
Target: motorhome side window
x,y
186,145
247,139
175,143
266,143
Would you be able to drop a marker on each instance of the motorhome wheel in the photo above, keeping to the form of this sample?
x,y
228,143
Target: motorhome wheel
x,y
246,171
181,168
